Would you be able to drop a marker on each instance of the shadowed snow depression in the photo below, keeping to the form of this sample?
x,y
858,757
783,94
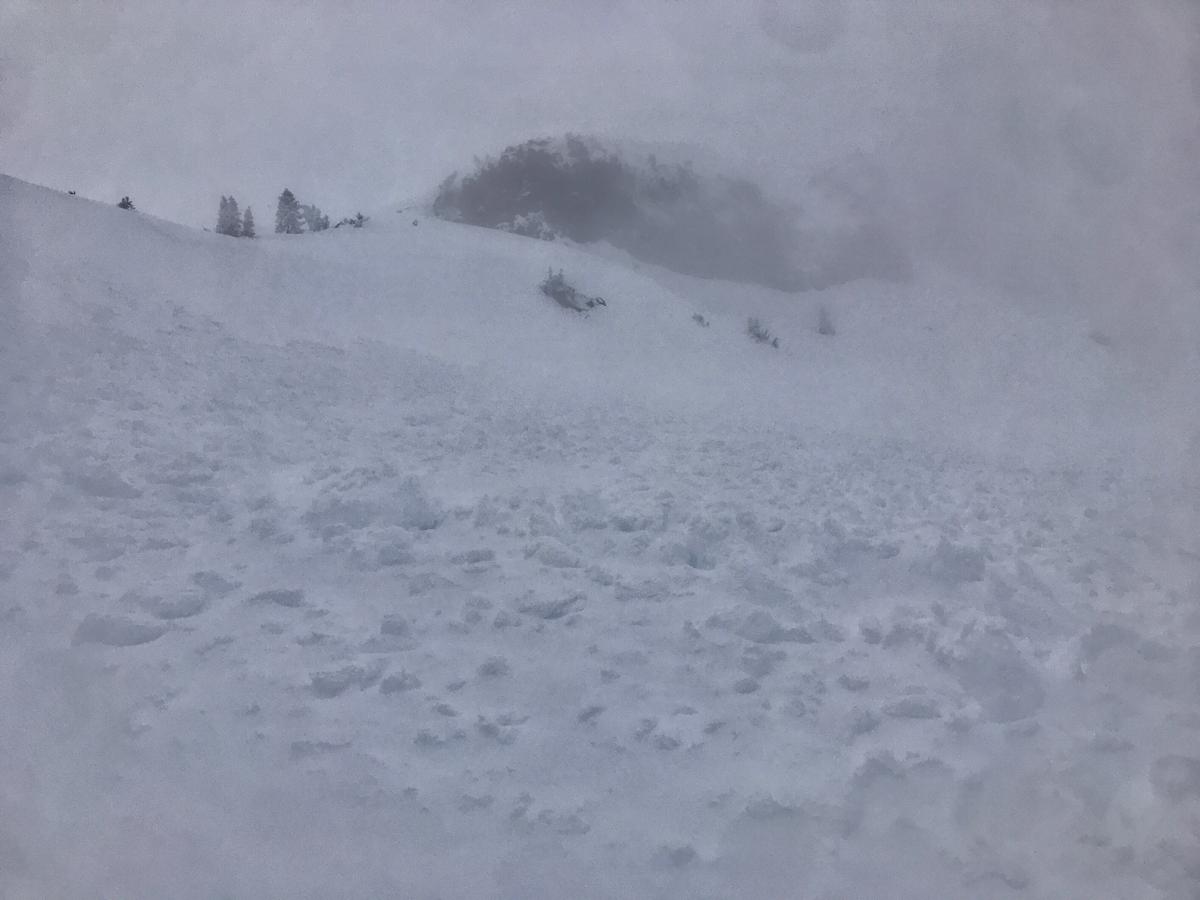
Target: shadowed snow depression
x,y
540,450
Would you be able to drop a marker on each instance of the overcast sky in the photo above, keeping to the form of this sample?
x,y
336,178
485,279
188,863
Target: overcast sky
x,y
354,102
1021,135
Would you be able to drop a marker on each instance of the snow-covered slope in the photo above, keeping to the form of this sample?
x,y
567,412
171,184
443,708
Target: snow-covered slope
x,y
349,565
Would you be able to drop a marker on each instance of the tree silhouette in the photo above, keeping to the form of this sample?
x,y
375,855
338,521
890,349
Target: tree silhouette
x,y
288,219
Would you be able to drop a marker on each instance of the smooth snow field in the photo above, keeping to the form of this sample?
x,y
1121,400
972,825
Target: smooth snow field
x,y
348,565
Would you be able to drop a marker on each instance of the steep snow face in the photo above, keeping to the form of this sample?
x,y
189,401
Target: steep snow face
x,y
349,565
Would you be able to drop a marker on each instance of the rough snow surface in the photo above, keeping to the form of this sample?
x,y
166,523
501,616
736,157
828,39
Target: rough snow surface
x,y
317,619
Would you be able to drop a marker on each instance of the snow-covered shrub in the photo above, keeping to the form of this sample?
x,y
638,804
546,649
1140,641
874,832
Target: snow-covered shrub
x,y
355,221
700,320
825,322
126,203
759,333
556,287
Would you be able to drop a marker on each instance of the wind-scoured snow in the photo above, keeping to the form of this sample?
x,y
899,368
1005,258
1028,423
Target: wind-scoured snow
x,y
349,565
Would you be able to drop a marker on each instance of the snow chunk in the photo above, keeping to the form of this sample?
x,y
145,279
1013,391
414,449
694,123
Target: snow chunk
x,y
214,583
10,477
762,628
993,672
745,686
299,750
590,712
182,607
415,509
864,721
395,554
395,684
473,557
677,856
115,631
395,625
103,482
330,516
913,708
854,682
553,555
327,685
551,608
292,599
953,564
494,667
584,511
760,662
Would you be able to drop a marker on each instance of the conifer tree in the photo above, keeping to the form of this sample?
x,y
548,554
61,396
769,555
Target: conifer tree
x,y
229,220
314,219
248,224
288,218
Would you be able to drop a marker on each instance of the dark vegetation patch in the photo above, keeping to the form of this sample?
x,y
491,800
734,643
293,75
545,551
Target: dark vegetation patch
x,y
659,213
667,214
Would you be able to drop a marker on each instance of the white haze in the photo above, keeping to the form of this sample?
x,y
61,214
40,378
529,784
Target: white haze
x,y
347,564
1044,143
1052,149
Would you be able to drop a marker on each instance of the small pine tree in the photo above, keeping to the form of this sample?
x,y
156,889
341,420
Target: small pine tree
x,y
229,219
287,214
126,203
248,224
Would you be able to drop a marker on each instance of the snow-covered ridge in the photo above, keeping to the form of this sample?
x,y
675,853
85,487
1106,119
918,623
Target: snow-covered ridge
x,y
349,565
935,358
